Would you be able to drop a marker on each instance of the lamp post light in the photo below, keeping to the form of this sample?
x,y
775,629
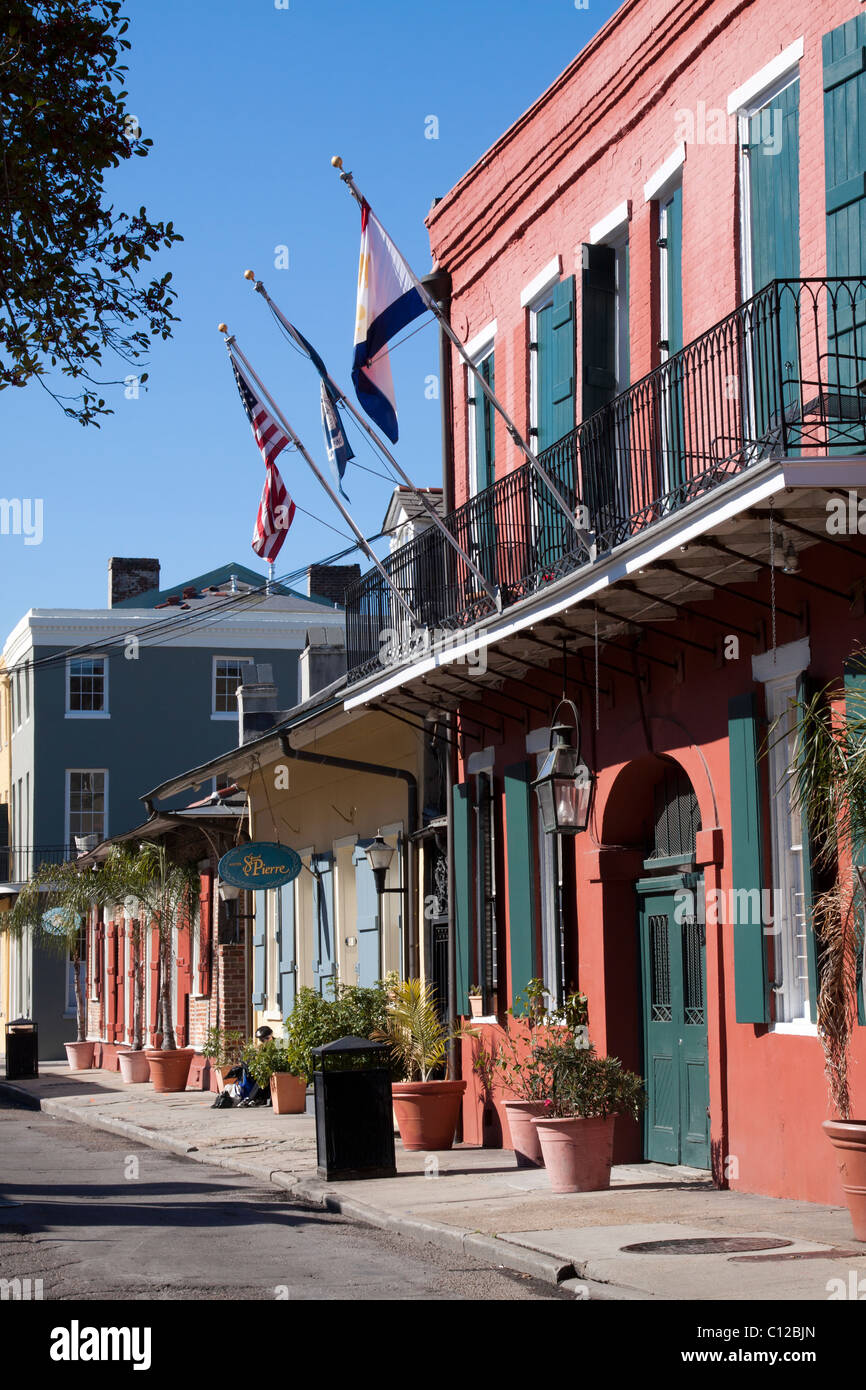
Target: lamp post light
x,y
379,855
564,788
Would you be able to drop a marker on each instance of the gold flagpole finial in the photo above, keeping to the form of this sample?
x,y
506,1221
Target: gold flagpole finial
x,y
248,275
336,161
222,328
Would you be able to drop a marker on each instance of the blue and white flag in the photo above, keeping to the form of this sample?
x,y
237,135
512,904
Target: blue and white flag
x,y
389,298
339,449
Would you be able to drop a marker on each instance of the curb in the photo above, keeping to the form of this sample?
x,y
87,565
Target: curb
x,y
10,1091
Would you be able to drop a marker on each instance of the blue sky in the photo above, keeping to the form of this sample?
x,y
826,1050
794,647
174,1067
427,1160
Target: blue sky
x,y
245,103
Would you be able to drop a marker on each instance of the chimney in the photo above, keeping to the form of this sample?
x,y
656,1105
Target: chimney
x,y
129,578
323,659
257,702
331,582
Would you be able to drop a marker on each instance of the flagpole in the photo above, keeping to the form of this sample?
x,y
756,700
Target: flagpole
x,y
232,346
492,592
434,308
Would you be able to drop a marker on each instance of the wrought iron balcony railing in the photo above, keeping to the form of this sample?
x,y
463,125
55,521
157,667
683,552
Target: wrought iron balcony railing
x,y
18,863
784,374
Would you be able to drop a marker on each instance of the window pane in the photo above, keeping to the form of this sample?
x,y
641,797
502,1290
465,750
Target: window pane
x,y
87,684
86,804
227,678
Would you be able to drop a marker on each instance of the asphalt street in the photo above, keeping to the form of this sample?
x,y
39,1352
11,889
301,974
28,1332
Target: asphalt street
x,y
95,1216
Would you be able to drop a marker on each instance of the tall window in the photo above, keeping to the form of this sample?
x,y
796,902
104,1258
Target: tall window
x,y
87,687
86,804
791,985
485,887
482,440
228,674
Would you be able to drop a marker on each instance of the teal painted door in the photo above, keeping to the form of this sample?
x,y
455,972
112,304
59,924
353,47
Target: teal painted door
x,y
286,957
845,165
369,927
554,408
676,1061
774,201
324,944
484,529
673,414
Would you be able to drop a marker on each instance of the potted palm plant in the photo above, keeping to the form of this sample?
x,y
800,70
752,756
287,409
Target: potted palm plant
x,y
585,1095
476,1001
828,778
426,1110
166,892
54,906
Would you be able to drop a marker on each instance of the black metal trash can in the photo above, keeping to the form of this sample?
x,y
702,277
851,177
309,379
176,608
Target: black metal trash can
x,y
354,1113
22,1049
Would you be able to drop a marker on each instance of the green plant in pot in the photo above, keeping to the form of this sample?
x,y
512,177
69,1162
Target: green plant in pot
x,y
585,1095
274,1066
357,1011
828,784
224,1049
426,1109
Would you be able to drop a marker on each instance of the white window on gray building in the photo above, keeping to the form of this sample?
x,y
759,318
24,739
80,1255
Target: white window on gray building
x,y
227,676
86,804
87,687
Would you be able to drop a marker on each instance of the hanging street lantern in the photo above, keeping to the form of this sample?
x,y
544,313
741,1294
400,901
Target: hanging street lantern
x,y
564,785
379,856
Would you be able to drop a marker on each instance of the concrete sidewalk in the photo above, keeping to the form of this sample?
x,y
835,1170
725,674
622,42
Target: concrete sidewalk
x,y
476,1201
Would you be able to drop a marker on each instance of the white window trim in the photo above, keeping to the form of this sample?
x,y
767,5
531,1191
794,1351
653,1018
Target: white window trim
x,y
781,66
67,799
541,283
89,713
788,660
613,222
483,341
221,656
658,183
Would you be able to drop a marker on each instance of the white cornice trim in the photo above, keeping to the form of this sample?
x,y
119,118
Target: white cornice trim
x,y
541,282
657,182
788,660
612,222
482,339
771,73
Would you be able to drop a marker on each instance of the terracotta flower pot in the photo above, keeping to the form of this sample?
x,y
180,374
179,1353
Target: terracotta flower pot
x,y
134,1066
427,1112
578,1152
524,1134
476,1005
80,1055
288,1093
848,1138
169,1070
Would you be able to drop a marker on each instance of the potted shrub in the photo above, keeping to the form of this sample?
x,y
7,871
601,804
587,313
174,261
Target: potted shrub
x,y
586,1093
273,1066
357,1011
426,1110
828,779
476,1001
54,905
224,1049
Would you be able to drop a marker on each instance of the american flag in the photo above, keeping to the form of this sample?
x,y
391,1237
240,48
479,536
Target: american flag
x,y
270,438
275,516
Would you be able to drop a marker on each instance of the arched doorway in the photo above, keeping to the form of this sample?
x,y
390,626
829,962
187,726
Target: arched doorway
x,y
653,807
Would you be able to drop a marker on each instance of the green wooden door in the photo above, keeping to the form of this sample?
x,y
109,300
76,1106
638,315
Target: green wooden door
x,y
676,1058
484,522
554,408
845,166
774,200
673,413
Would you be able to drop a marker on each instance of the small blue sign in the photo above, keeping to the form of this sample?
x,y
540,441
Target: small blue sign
x,y
56,921
260,865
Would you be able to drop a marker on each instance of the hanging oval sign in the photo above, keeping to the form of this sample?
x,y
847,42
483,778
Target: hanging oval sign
x,y
260,865
56,921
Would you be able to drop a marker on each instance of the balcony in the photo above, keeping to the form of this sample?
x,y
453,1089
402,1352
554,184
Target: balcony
x,y
17,864
782,376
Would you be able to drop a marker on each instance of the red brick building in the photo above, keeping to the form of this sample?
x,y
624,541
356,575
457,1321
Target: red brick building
x,y
661,269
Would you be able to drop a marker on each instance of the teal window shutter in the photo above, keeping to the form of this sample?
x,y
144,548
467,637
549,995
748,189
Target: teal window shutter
x,y
562,383
844,53
855,680
521,875
750,956
259,949
463,893
324,944
286,957
805,691
598,327
367,917
485,434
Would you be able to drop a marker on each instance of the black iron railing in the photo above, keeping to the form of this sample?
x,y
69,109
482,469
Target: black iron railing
x,y
17,864
781,375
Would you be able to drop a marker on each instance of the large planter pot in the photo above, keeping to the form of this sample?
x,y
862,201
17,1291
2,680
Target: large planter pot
x,y
134,1066
79,1055
848,1138
578,1152
169,1070
524,1134
427,1112
288,1093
